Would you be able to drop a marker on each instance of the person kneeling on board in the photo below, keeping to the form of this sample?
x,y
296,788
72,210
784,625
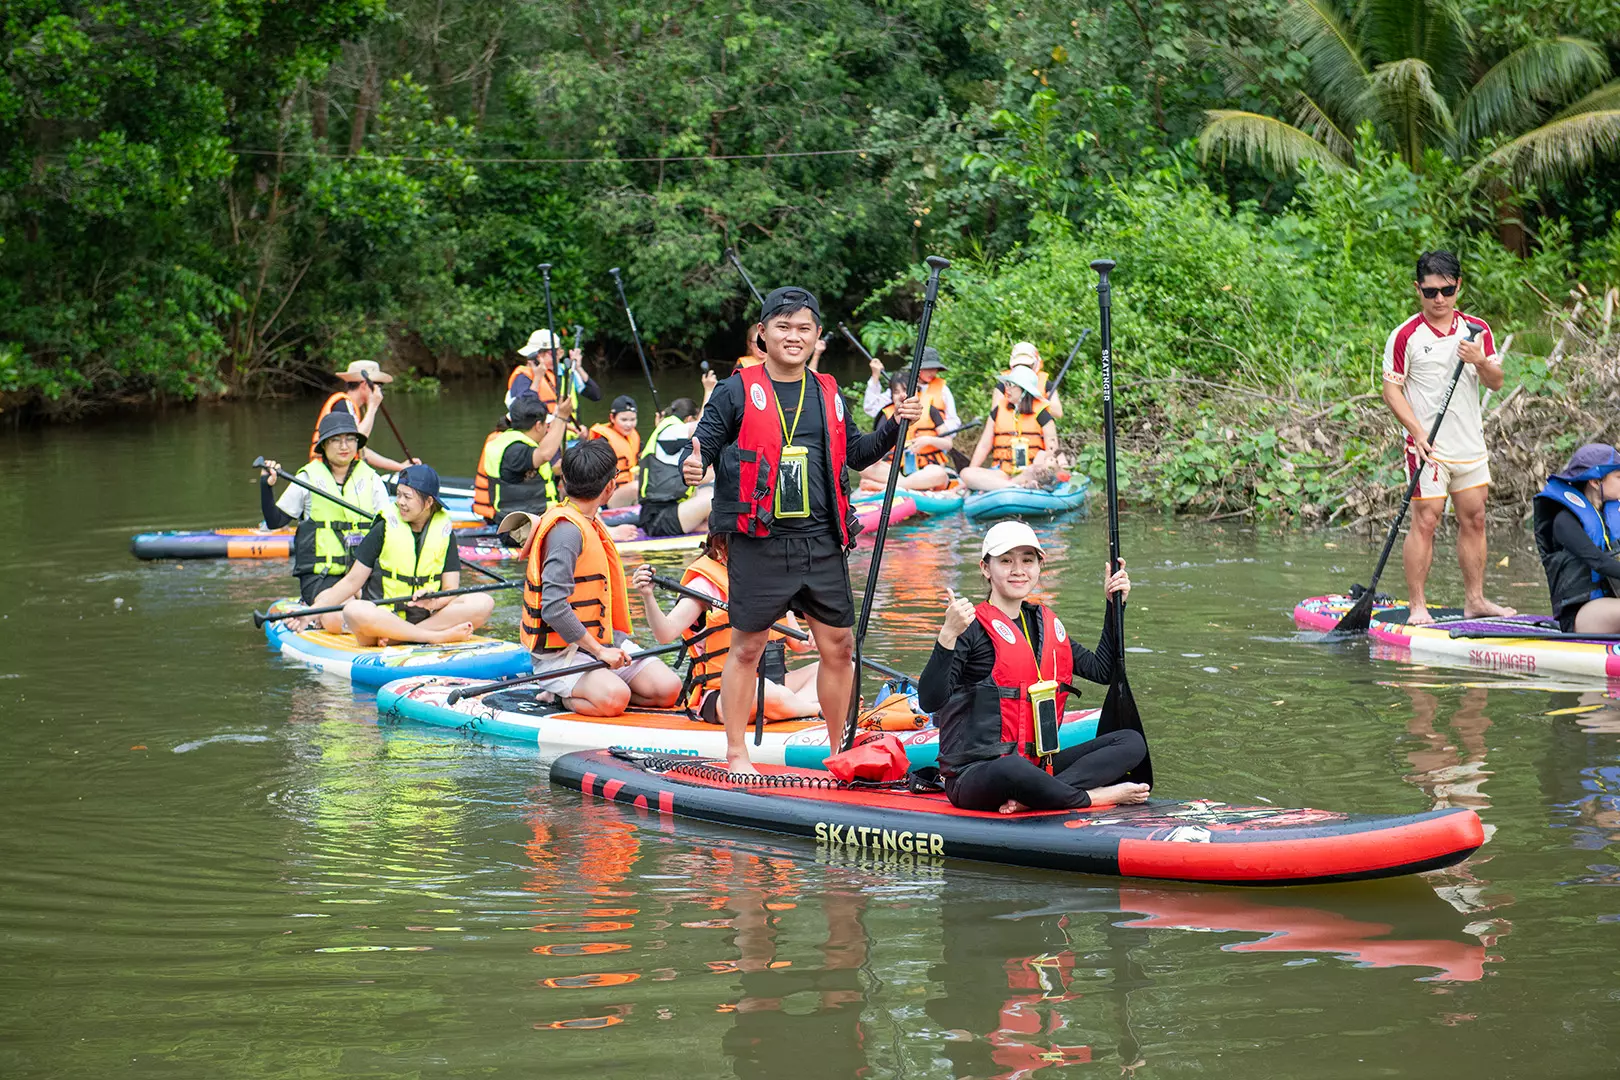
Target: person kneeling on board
x,y
794,697
1020,441
1577,527
924,466
996,667
324,542
669,507
408,552
575,604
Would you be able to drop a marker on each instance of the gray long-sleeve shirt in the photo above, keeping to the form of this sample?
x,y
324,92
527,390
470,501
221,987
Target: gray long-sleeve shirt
x,y
564,545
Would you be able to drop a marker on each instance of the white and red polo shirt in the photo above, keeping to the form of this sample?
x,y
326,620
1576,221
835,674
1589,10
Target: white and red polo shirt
x,y
1420,360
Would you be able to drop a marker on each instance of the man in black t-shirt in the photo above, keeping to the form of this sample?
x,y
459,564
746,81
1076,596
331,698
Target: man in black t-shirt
x,y
779,439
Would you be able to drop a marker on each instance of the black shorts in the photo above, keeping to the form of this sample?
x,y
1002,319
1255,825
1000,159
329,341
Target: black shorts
x,y
661,519
413,614
772,574
312,585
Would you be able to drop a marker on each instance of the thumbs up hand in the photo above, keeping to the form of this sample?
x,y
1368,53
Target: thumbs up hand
x,y
692,467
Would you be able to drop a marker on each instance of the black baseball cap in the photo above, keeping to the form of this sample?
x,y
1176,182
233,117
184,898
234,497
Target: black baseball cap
x,y
421,479
788,299
622,403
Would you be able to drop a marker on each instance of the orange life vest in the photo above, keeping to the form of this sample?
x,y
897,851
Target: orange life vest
x,y
927,424
600,598
483,498
341,395
1011,424
746,362
627,449
542,380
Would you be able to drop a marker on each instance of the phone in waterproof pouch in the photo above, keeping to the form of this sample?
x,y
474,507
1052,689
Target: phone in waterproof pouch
x,y
1020,453
792,486
1043,696
910,462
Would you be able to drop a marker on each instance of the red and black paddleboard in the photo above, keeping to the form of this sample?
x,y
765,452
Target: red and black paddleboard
x,y
1199,840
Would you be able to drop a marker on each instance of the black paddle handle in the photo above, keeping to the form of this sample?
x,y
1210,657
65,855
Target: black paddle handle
x,y
1417,474
1074,352
575,669
635,335
260,618
551,334
258,463
1105,310
731,253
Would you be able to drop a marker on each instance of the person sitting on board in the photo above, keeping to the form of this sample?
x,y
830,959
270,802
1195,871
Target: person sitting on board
x,y
669,507
924,466
515,470
538,373
793,698
324,542
1420,359
621,434
1026,355
779,439
1577,528
361,398
576,606
1020,441
981,681
410,550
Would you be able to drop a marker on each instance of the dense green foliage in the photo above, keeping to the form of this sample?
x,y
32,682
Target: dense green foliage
x,y
201,197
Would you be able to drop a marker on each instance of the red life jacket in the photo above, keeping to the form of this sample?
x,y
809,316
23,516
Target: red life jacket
x,y
758,450
996,718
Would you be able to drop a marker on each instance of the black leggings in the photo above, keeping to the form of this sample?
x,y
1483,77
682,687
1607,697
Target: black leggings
x,y
985,785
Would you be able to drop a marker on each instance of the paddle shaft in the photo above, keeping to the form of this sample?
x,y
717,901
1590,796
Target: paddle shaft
x,y
1417,473
731,253
635,335
551,334
383,408
936,266
544,676
258,463
1105,309
797,635
1064,370
855,341
259,619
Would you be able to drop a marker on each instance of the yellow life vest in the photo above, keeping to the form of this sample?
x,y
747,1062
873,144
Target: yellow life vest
x,y
402,568
533,495
337,528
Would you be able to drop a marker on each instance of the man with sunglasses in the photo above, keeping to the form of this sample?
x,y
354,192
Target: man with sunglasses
x,y
1419,360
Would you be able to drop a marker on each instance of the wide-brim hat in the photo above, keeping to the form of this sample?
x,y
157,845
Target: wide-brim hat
x,y
1024,379
540,339
365,370
931,360
516,528
338,423
1593,461
1023,351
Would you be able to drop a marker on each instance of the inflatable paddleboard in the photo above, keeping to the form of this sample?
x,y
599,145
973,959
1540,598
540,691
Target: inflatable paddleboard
x,y
942,501
478,658
1027,502
1541,650
1199,840
518,715
251,543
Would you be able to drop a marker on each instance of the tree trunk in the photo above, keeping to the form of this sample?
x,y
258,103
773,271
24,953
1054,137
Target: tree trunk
x,y
318,105
363,105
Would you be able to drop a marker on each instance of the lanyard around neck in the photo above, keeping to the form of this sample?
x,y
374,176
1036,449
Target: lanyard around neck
x,y
798,412
1023,624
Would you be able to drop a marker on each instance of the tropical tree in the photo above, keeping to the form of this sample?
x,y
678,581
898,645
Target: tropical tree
x,y
1412,70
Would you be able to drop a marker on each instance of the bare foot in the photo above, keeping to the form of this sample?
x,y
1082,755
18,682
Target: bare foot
x,y
1119,795
458,632
1487,609
1012,806
1418,615
739,763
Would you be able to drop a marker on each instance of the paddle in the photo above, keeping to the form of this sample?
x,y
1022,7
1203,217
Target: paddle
x,y
936,265
383,408
1119,709
492,575
258,463
557,372
260,618
1359,617
544,676
1064,370
855,341
636,334
787,631
731,253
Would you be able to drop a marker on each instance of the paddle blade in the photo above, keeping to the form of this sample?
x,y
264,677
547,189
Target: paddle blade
x,y
1119,713
1356,620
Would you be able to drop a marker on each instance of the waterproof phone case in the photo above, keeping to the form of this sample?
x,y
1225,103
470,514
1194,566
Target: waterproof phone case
x,y
910,461
792,490
1043,696
1020,453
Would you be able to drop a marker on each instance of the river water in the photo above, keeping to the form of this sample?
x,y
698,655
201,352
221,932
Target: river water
x,y
217,864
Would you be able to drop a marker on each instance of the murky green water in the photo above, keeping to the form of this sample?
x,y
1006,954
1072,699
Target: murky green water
x,y
216,864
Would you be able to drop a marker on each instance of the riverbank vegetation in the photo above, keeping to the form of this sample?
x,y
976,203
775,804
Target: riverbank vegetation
x,y
233,198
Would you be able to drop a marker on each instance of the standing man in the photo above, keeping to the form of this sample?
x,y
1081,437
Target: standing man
x,y
779,439
1419,360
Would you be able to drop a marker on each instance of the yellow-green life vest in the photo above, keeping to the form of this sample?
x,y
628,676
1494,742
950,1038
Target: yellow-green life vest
x,y
401,569
336,528
534,495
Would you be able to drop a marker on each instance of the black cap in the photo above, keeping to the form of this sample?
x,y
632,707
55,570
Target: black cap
x,y
622,403
788,299
338,423
421,479
526,411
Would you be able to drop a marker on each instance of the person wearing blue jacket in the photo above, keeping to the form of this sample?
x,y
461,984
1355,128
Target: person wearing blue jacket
x,y
1577,527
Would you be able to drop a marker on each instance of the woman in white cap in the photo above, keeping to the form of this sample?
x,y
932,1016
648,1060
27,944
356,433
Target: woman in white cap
x,y
993,667
361,397
1020,440
1026,355
538,373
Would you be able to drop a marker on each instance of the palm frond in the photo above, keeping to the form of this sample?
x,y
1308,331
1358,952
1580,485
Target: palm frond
x,y
1239,72
1433,31
1337,67
1511,95
1555,149
1262,141
1411,105
1603,98
1312,119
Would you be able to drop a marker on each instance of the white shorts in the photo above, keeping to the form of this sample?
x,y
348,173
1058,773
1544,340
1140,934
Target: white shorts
x,y
574,656
1438,479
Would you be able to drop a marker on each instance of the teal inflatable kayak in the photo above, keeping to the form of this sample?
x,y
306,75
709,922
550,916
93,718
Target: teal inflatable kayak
x,y
1027,502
